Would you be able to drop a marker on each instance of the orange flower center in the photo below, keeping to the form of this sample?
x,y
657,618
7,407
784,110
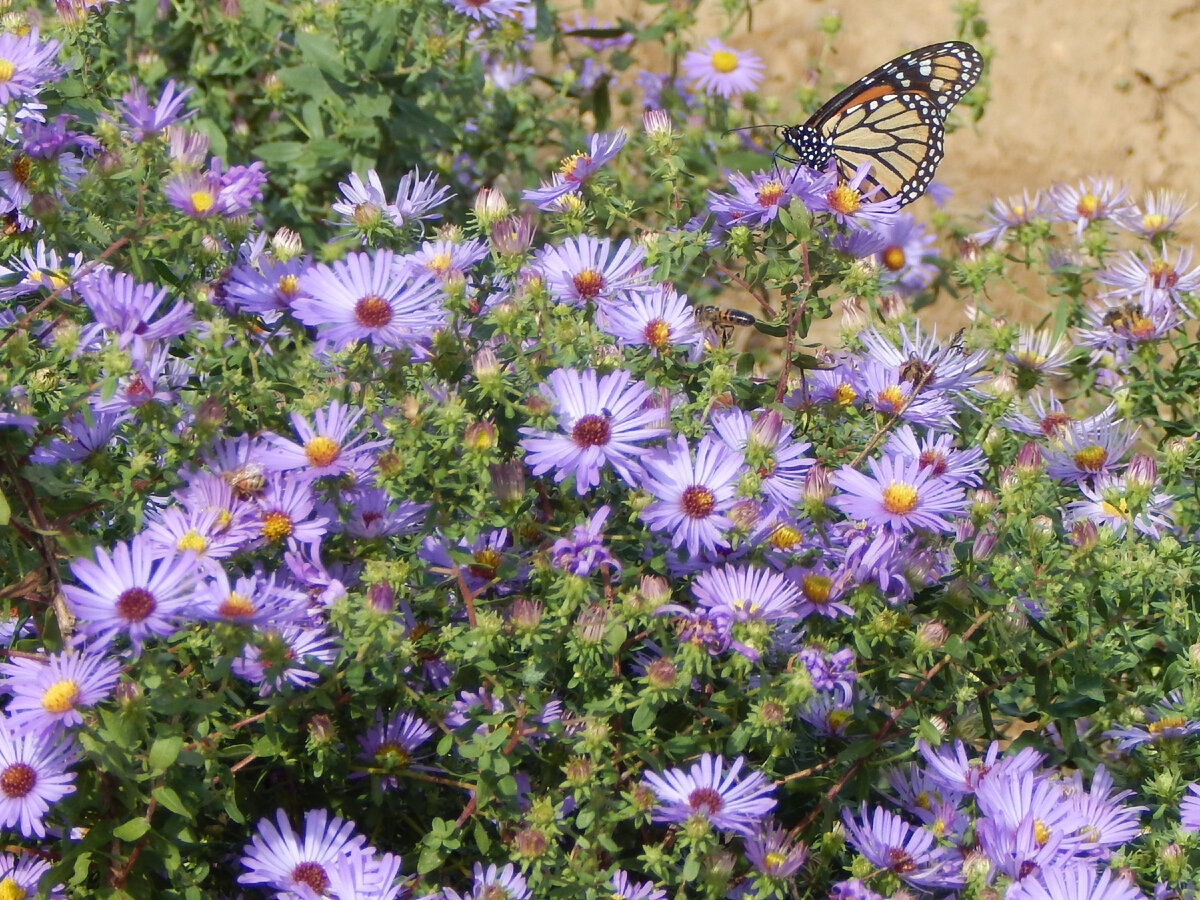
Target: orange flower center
x,y
844,199
322,450
893,258
589,283
1091,458
697,502
276,525
899,498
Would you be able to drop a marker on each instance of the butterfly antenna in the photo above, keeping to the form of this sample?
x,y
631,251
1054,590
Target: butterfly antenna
x,y
750,128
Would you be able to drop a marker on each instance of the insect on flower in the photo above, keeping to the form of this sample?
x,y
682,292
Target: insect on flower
x,y
247,480
723,320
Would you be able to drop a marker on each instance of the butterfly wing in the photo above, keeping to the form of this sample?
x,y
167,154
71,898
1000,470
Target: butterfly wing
x,y
892,117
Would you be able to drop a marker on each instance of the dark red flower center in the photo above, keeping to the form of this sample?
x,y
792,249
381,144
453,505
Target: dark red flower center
x,y
372,311
18,780
697,502
21,167
705,800
589,283
312,875
136,604
1055,423
591,431
934,461
901,861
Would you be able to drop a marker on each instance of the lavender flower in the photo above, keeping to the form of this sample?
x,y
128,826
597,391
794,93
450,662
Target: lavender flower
x,y
692,494
47,695
287,862
658,318
583,269
577,168
391,745
33,775
29,63
144,119
708,791
721,71
899,495
326,448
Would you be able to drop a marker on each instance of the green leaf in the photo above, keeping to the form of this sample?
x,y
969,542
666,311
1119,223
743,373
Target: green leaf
x,y
172,801
5,510
164,752
132,830
322,51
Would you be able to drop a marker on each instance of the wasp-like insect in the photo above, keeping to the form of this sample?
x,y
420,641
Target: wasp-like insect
x,y
246,480
723,321
1124,316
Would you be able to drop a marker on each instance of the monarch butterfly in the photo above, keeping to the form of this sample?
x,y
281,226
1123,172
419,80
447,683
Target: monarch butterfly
x,y
893,118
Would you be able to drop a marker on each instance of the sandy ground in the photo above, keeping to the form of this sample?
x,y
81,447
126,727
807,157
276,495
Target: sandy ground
x,y
1078,88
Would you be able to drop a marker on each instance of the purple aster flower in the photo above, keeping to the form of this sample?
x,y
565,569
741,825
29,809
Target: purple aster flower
x,y
286,862
125,306
708,791
50,140
256,599
1009,799
286,512
1159,213
1165,722
1008,214
710,629
757,197
237,518
144,119
371,296
721,71
832,673
390,746
282,657
33,775
946,367
1076,882
326,448
825,715
489,12
1103,822
574,170
194,193
749,593
1039,354
775,853
1132,274
657,317
936,453
493,883
899,495
448,260
624,888
1018,852
848,204
584,552
692,494
47,694
887,391
937,806
1084,452
1051,419
360,877
138,591
29,63
1113,330
1189,809
40,268
951,767
894,845
21,875
903,258
363,203
603,421
150,380
265,286
240,187
1089,201
1113,502
373,514
769,451
821,593
584,269
853,889
416,197
88,434
488,553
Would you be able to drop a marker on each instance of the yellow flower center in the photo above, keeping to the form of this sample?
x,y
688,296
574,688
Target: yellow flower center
x,y
10,890
1091,458
1087,205
202,200
58,281
192,540
844,199
1166,723
1041,832
1019,211
60,696
1121,511
657,334
589,283
440,262
816,588
893,258
6,69
1030,359
276,525
236,606
224,517
769,194
1154,221
774,859
785,537
322,450
391,756
288,286
569,163
893,396
724,61
845,394
899,498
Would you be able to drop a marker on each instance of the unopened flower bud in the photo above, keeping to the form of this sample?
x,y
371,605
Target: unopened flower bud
x,y
1029,459
854,314
525,615
654,588
1142,473
286,244
930,636
1004,384
381,597
657,123
892,307
508,480
766,428
1084,534
486,365
320,729
985,541
662,674
480,436
530,843
490,206
591,623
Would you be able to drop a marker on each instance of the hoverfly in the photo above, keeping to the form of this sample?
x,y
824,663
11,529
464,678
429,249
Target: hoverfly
x,y
723,321
246,480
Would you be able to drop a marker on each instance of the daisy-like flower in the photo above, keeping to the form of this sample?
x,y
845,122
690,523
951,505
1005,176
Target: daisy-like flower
x,y
33,775
898,495
1084,452
20,876
708,791
894,845
256,599
624,888
1111,502
951,767
1007,214
1131,274
574,170
1051,419
584,269
721,71
448,260
488,553
489,12
936,453
1104,823
757,197
265,286
774,853
767,446
584,551
903,258
326,448
151,379
40,267
692,495
144,119
821,593
287,862
1077,882
28,63
138,591
391,745
946,366
493,884
286,512
48,694
1039,355
1159,213
282,658
1089,201
417,197
364,204
749,593
1117,328
887,391
373,297
603,422
360,877
373,514
658,318
1164,722
932,803
87,435
850,205
1189,809
123,305
1011,799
